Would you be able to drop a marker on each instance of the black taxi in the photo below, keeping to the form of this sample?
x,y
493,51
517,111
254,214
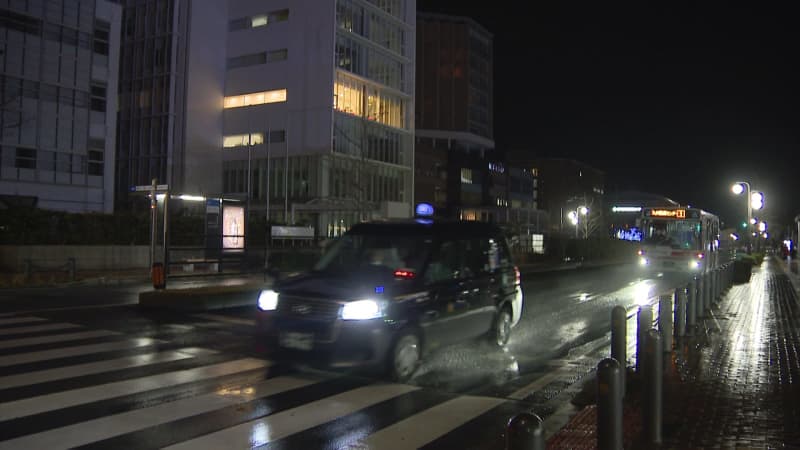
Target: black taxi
x,y
387,292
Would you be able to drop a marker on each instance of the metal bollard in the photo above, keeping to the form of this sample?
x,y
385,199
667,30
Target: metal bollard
x,y
691,306
703,295
680,312
644,322
71,268
525,432
652,384
665,321
619,341
609,405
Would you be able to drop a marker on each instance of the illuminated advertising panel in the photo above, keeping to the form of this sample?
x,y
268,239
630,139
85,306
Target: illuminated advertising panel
x,y
232,227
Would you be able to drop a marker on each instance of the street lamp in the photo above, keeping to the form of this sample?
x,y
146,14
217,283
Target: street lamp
x,y
755,200
574,216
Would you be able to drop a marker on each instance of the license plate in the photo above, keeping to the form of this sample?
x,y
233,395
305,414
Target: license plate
x,y
297,341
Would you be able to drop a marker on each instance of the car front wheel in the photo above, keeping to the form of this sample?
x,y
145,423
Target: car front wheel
x,y
501,329
405,357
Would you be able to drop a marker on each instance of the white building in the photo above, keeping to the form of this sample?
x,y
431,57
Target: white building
x,y
58,82
329,87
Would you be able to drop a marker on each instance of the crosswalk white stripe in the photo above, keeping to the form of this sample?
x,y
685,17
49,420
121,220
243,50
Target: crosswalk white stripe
x,y
286,423
221,318
78,350
22,342
428,425
36,328
43,376
17,320
49,402
107,427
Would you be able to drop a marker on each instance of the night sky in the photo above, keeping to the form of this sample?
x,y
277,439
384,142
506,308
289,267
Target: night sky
x,y
678,100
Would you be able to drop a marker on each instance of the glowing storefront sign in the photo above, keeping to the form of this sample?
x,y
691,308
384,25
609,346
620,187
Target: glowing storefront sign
x,y
671,213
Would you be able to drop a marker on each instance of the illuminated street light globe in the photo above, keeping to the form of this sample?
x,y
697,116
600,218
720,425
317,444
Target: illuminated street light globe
x,y
762,227
572,216
737,188
756,200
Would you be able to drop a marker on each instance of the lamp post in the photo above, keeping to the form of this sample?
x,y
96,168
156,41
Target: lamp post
x,y
755,201
574,216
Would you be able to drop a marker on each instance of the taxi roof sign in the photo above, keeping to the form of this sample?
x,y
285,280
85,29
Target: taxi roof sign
x,y
424,210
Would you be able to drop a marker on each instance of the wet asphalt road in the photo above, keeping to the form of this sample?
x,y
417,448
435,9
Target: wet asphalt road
x,y
562,310
53,335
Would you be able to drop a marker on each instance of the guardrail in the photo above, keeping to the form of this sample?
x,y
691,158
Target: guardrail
x,y
679,311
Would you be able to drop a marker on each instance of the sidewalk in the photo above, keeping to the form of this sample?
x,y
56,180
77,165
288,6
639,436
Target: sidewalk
x,y
736,384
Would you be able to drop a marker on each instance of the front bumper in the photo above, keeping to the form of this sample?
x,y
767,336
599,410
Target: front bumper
x,y
337,344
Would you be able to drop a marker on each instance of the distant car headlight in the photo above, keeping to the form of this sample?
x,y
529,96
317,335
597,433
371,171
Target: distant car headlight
x,y
268,300
694,264
643,261
362,310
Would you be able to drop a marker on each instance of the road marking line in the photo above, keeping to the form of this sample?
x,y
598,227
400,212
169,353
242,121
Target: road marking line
x,y
78,370
44,355
128,422
226,319
286,423
37,328
538,384
59,400
11,343
428,425
16,320
221,318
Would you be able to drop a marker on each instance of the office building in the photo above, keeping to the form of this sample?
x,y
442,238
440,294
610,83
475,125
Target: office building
x,y
58,81
318,103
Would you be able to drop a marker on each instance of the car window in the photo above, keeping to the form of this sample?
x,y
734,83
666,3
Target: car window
x,y
458,259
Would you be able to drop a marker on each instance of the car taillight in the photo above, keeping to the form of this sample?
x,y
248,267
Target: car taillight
x,y
404,273
517,278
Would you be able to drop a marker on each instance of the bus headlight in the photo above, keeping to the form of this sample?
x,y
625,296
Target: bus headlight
x,y
268,300
362,310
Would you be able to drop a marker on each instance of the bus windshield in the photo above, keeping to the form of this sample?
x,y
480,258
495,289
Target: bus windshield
x,y
677,234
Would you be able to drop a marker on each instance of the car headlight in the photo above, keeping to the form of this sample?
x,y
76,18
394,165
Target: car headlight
x,y
268,300
362,310
694,264
643,261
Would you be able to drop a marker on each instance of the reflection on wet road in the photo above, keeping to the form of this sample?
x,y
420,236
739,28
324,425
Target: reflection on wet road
x,y
563,310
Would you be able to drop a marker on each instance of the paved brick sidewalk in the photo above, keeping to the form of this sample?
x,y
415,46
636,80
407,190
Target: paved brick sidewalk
x,y
736,384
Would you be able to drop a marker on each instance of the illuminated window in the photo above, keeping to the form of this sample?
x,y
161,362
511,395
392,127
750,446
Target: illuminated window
x,y
241,140
466,175
256,98
259,21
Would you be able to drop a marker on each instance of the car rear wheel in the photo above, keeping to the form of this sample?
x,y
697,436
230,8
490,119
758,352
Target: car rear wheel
x,y
501,328
405,357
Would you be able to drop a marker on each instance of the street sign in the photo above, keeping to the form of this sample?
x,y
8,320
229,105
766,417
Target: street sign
x,y
147,187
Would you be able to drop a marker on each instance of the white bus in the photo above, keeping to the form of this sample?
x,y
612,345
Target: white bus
x,y
676,238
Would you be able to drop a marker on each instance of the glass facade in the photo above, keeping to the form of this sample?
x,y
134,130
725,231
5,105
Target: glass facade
x,y
50,102
150,112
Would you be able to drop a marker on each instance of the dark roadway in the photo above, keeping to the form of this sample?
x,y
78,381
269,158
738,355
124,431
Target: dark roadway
x,y
566,315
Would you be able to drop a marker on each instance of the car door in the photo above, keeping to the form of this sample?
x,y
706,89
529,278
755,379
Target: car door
x,y
477,286
449,290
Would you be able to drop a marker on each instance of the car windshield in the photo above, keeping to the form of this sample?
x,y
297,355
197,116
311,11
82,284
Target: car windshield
x,y
675,234
353,252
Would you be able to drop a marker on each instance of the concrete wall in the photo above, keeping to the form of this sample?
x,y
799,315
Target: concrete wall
x,y
95,257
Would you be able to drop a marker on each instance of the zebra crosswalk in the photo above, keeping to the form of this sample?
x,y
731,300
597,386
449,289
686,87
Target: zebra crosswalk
x,y
65,385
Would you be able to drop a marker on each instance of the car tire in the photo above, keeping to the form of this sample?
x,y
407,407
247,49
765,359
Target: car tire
x,y
404,357
501,327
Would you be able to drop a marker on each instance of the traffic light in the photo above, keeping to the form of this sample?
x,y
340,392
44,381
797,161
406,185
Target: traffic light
x,y
744,224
